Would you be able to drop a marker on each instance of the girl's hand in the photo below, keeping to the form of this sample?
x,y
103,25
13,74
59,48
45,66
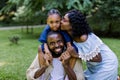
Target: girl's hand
x,y
72,52
47,58
41,57
65,58
49,54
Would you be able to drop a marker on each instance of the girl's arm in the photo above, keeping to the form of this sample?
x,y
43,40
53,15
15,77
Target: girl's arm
x,y
47,51
68,44
97,58
74,54
41,56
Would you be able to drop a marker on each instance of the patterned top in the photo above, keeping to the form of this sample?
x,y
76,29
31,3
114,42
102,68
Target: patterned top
x,y
107,69
89,48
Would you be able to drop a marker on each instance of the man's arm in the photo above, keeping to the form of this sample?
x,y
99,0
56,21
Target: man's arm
x,y
35,71
44,63
39,72
71,74
32,69
65,61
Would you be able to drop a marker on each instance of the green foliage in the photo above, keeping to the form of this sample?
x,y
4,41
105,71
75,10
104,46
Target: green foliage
x,y
107,17
14,39
84,5
110,9
36,8
31,12
2,3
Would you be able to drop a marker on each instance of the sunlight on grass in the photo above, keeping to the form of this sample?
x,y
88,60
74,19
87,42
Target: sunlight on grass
x,y
5,63
2,63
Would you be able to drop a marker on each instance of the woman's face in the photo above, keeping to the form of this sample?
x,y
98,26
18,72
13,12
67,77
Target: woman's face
x,y
65,24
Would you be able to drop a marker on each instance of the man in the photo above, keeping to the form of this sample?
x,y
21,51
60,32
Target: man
x,y
61,67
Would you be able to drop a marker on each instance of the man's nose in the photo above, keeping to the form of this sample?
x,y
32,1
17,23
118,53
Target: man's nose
x,y
56,44
61,21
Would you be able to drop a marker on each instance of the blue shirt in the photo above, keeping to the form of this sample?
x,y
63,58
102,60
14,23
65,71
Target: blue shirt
x,y
43,37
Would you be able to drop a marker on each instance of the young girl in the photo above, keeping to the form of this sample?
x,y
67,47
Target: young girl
x,y
102,63
53,23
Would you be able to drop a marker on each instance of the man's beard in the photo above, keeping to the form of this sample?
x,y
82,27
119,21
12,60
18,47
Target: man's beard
x,y
56,55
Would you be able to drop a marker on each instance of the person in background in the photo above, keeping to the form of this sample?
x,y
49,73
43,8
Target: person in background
x,y
60,68
102,63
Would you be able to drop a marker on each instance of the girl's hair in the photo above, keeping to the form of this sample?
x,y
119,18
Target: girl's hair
x,y
53,11
78,23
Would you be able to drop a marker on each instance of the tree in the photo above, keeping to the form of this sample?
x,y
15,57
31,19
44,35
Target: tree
x,y
109,12
36,8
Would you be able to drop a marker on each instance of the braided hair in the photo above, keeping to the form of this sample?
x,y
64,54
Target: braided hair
x,y
78,23
53,11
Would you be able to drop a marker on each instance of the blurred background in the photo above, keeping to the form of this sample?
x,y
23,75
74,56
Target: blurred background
x,y
22,21
103,15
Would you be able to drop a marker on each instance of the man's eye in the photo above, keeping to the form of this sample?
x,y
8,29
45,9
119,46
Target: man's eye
x,y
60,41
52,44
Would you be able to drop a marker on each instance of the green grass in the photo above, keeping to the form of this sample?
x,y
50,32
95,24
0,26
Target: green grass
x,y
114,45
15,59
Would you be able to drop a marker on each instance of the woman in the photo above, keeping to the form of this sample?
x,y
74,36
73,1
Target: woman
x,y
102,63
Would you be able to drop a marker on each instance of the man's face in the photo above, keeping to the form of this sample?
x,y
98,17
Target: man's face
x,y
65,24
55,43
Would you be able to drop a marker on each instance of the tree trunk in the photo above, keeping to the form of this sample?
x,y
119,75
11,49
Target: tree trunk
x,y
109,28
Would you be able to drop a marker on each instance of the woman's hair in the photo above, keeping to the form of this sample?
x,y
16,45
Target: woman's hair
x,y
53,11
78,23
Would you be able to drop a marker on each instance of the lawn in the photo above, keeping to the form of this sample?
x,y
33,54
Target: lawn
x,y
15,59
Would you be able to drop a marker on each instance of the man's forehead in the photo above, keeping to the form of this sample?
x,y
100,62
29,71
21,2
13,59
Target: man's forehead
x,y
55,36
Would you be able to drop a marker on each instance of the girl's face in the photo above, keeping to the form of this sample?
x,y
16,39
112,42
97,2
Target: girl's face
x,y
54,22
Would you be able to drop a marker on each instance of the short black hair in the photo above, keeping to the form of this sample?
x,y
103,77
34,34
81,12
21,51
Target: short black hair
x,y
79,23
55,32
